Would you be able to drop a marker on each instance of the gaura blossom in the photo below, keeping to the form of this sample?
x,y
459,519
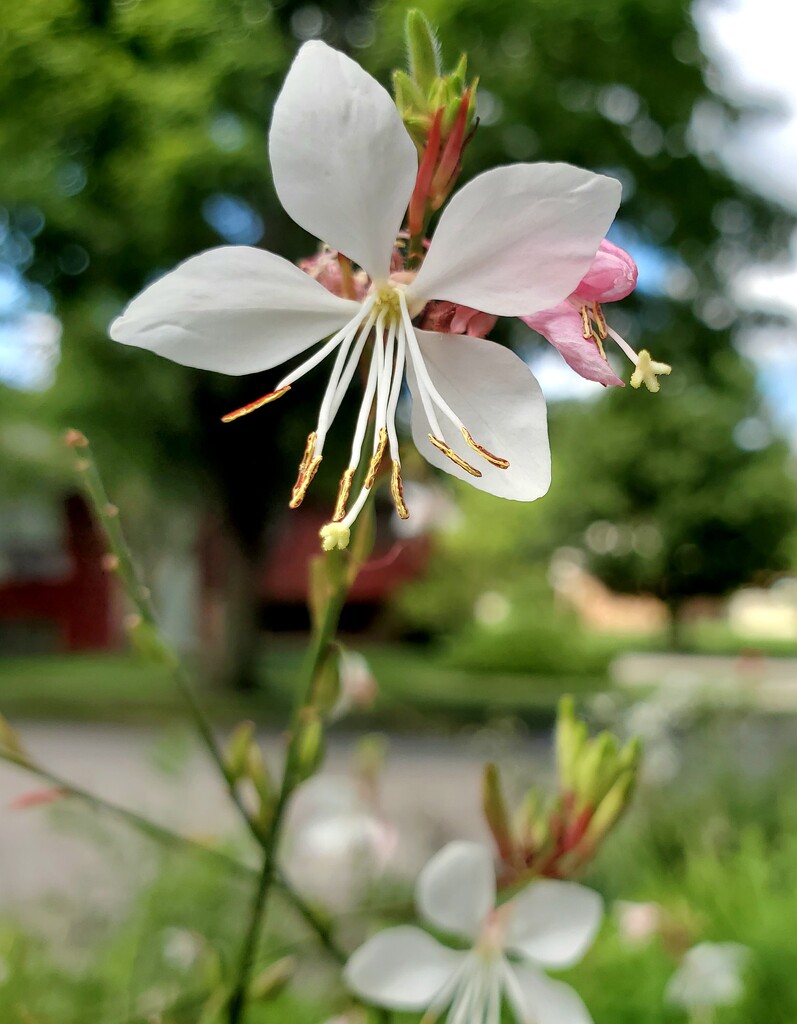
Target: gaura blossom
x,y
577,326
514,240
710,974
548,924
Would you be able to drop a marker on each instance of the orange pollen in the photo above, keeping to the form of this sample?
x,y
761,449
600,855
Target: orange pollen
x,y
397,490
272,396
494,460
441,446
343,495
307,470
376,459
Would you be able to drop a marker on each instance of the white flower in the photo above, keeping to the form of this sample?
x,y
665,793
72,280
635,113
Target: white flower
x,y
358,686
514,240
548,924
710,974
337,843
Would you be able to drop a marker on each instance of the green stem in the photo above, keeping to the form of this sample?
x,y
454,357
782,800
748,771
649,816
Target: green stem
x,y
321,640
140,597
144,825
174,840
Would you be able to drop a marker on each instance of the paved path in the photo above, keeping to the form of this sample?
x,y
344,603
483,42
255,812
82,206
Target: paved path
x,y
769,684
430,791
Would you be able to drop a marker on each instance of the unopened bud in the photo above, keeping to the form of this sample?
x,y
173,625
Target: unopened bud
x,y
109,562
273,979
609,810
571,735
257,770
495,812
595,769
237,753
309,746
423,50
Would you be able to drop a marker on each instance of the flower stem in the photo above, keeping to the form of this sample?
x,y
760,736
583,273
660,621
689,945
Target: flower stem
x,y
140,597
174,840
323,635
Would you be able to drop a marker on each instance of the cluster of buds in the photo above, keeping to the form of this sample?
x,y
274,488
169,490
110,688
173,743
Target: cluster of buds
x,y
554,837
438,112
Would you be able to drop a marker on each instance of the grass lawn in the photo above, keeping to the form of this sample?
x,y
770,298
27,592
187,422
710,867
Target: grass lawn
x,y
416,691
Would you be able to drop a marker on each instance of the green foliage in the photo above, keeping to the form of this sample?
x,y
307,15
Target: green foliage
x,y
719,854
662,499
162,956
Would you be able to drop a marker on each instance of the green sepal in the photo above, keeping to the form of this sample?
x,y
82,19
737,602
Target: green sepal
x,y
423,49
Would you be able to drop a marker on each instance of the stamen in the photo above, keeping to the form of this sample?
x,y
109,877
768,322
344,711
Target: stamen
x,y
598,341
344,490
307,470
600,320
343,338
646,371
397,490
395,393
258,403
334,535
586,326
451,454
339,383
376,459
494,460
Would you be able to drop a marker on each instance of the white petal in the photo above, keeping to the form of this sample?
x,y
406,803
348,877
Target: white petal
x,y
234,309
553,923
518,239
456,889
402,968
499,401
544,1001
344,166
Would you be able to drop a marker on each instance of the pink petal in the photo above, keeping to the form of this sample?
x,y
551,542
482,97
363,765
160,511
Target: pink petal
x,y
562,326
451,318
611,276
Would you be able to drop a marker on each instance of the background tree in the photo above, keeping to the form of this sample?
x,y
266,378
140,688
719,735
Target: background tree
x,y
132,135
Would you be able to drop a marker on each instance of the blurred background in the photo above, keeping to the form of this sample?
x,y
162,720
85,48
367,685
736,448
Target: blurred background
x,y
657,581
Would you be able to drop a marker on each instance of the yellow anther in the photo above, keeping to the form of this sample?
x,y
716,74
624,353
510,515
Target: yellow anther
x,y
397,490
373,467
334,535
258,403
586,326
600,320
597,339
307,470
494,460
343,495
441,446
647,370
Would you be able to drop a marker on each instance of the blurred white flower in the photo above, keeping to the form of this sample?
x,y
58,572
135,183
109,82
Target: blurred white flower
x,y
337,843
358,687
181,947
548,924
710,974
637,923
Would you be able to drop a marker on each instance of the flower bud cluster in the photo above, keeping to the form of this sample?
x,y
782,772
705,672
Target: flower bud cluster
x,y
438,112
555,837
